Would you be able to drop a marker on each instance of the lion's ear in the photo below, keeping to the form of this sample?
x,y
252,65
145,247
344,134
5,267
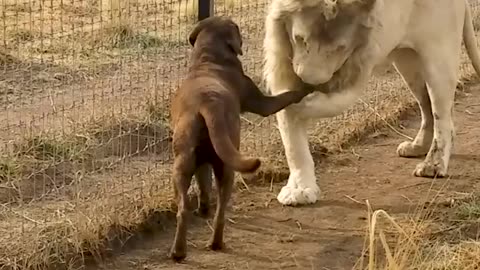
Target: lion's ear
x,y
367,5
356,7
369,20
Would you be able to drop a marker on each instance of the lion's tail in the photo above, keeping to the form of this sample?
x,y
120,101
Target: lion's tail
x,y
470,39
222,144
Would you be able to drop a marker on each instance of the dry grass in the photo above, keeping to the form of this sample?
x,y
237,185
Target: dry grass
x,y
431,238
81,207
69,232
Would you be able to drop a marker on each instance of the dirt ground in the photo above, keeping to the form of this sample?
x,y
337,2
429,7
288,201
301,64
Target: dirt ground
x,y
262,234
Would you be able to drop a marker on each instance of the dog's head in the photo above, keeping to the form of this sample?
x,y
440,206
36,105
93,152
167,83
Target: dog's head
x,y
220,28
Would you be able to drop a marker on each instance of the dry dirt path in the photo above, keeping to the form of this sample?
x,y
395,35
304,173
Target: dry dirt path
x,y
261,234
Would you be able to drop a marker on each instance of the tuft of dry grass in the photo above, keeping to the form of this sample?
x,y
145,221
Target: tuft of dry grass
x,y
85,229
427,239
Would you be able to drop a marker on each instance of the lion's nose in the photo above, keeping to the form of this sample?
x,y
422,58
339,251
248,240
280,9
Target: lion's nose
x,y
299,70
319,77
314,77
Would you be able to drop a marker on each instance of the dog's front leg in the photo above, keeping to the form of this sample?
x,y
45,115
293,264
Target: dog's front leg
x,y
301,187
256,102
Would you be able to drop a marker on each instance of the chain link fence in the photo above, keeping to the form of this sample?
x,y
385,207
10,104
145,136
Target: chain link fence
x,y
85,87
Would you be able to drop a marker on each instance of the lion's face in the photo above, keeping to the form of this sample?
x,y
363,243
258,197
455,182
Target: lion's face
x,y
320,46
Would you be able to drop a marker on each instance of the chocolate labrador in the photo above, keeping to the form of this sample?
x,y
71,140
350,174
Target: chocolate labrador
x,y
205,115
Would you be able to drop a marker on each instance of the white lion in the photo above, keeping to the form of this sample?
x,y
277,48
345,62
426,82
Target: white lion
x,y
336,44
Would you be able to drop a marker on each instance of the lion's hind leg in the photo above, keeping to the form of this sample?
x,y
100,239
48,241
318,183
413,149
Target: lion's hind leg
x,y
440,69
407,63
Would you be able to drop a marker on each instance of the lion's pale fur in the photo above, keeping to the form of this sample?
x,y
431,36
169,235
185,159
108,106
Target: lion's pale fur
x,y
329,8
422,38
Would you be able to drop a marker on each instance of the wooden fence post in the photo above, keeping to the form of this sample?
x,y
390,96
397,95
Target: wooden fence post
x,y
205,9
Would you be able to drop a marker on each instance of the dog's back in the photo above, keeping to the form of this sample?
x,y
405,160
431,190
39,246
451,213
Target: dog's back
x,y
206,118
206,108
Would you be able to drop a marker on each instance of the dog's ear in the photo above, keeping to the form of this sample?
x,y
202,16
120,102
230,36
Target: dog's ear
x,y
235,41
198,28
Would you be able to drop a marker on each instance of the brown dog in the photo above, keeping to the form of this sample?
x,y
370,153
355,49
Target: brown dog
x,y
206,119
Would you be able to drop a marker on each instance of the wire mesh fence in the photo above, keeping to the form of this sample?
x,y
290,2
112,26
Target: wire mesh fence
x,y
85,87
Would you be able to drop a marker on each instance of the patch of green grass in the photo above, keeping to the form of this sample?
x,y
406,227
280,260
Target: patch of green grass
x,y
9,169
158,113
7,59
123,36
17,7
22,34
88,9
469,210
43,148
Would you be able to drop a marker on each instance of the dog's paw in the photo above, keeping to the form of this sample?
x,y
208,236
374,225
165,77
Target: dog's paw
x,y
216,245
408,149
202,211
298,195
177,256
430,170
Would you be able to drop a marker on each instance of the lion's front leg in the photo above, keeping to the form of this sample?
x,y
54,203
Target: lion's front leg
x,y
301,187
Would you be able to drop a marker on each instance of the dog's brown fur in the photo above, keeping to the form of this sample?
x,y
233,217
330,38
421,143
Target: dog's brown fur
x,y
206,119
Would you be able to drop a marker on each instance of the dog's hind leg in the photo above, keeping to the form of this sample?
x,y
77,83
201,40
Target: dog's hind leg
x,y
203,175
183,169
224,177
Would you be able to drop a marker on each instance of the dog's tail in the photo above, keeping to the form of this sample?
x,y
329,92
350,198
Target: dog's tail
x,y
219,135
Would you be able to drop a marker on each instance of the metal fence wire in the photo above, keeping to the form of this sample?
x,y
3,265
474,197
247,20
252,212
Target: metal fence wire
x,y
85,87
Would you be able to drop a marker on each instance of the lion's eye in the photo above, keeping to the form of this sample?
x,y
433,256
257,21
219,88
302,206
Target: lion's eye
x,y
299,40
341,47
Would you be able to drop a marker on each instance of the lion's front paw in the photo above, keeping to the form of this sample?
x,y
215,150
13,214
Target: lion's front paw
x,y
408,149
298,195
431,170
